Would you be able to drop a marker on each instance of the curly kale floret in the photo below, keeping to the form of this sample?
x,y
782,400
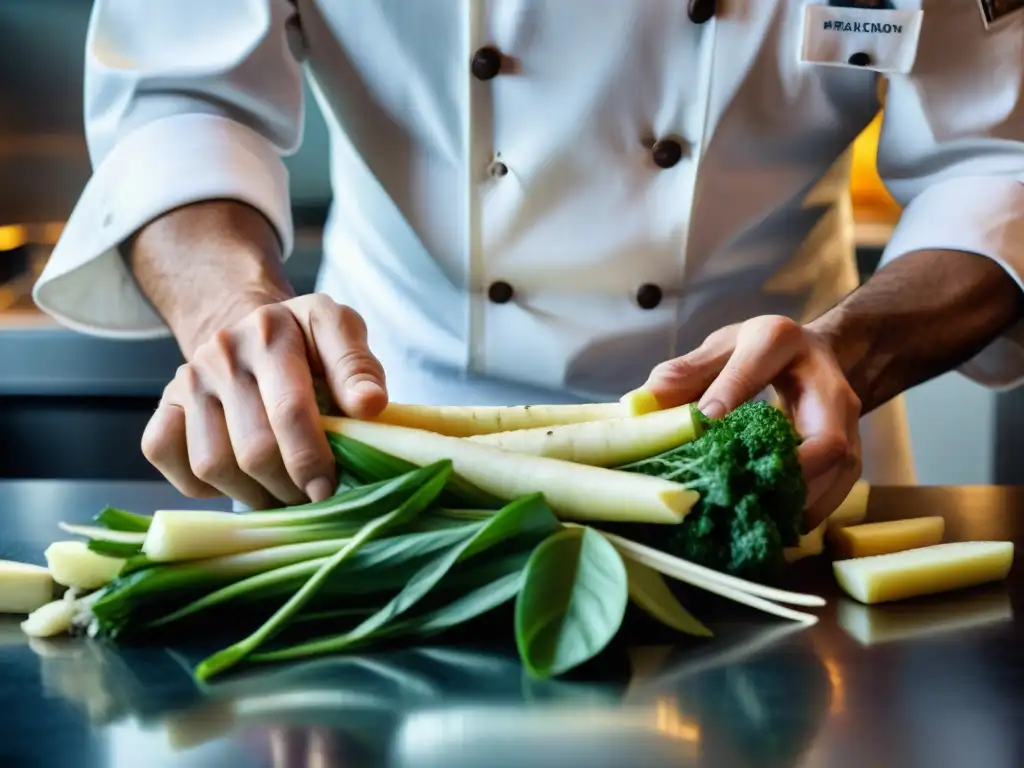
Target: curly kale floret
x,y
746,469
772,461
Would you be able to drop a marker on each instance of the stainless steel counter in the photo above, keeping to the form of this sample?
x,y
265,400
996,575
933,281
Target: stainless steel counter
x,y
934,683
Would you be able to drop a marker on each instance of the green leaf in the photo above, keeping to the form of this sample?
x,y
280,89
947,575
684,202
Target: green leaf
x,y
383,565
420,500
495,591
525,517
572,603
122,520
648,589
113,548
371,465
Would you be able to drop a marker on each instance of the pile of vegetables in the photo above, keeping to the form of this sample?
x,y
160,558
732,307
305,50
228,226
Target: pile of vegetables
x,y
569,513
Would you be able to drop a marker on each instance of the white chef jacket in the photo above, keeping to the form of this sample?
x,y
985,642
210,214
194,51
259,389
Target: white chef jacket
x,y
539,200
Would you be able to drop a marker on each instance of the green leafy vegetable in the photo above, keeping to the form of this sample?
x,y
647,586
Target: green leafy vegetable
x,y
528,517
379,566
747,471
415,504
572,602
122,520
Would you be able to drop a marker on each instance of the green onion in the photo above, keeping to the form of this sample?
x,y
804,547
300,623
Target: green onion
x,y
223,660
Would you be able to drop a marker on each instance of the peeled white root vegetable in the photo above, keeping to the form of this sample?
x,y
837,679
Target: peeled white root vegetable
x,y
73,564
638,402
574,491
925,571
24,587
468,420
54,618
888,537
607,443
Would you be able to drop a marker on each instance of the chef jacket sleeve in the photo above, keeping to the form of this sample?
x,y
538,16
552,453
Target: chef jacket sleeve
x,y
185,100
952,153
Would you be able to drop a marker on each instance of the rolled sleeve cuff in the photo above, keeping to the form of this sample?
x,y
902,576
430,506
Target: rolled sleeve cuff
x,y
164,165
983,215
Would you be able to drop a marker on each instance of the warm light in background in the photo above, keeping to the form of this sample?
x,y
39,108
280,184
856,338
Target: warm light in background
x,y
671,723
16,235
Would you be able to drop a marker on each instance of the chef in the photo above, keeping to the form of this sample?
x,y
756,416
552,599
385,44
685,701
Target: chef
x,y
547,201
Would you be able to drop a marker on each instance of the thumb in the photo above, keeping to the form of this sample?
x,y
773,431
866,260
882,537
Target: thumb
x,y
354,376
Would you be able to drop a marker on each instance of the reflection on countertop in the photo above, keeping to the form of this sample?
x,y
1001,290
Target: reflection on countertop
x,y
455,707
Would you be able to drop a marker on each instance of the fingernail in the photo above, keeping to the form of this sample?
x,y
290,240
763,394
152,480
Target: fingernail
x,y
366,388
712,409
319,489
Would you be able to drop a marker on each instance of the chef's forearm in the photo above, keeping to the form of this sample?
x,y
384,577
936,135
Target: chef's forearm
x,y
206,265
919,316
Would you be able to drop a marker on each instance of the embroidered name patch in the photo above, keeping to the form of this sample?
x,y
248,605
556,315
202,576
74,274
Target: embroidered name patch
x,y
872,27
874,38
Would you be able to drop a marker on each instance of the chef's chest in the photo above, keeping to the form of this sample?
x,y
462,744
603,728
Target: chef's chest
x,y
605,75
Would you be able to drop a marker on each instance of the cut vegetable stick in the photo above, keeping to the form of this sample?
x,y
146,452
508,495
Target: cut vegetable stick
x,y
51,619
73,564
810,545
606,443
926,571
888,537
573,491
684,570
874,625
639,401
854,507
468,420
24,587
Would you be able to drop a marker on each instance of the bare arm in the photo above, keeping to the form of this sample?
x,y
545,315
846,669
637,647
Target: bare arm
x,y
206,266
919,316
241,417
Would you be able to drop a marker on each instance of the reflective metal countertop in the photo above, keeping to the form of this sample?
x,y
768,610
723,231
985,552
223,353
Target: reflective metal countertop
x,y
933,683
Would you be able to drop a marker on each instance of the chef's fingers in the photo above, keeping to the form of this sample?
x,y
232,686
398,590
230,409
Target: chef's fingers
x,y
210,454
354,375
839,489
253,441
289,400
165,447
841,479
683,379
765,346
822,418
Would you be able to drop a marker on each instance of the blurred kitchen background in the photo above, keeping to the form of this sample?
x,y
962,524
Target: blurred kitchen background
x,y
75,407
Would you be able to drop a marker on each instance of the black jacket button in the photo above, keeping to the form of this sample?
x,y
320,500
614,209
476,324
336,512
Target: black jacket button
x,y
666,153
500,292
648,296
859,59
701,10
486,63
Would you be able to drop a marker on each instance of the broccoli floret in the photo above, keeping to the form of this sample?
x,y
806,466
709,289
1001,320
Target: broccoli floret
x,y
746,469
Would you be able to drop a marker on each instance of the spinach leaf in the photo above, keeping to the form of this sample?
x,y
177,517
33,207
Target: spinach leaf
x,y
572,602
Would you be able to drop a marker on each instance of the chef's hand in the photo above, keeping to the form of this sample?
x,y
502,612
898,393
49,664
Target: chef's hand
x,y
241,417
738,362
